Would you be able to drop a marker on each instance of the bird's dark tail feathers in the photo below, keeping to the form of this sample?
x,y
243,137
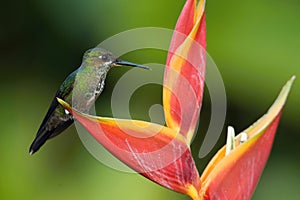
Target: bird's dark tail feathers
x,y
43,135
39,140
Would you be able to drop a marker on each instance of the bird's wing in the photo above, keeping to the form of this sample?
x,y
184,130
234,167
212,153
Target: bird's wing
x,y
56,120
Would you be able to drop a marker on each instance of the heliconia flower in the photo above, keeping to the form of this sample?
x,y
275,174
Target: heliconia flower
x,y
234,175
162,153
163,156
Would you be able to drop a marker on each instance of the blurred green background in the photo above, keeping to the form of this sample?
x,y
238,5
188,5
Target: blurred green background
x,y
255,44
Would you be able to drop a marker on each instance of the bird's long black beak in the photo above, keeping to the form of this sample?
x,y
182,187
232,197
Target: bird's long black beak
x,y
120,62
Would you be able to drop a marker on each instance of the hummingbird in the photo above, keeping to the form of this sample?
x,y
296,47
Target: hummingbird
x,y
80,89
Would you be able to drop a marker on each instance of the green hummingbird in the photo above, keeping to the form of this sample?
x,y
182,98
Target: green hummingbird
x,y
80,89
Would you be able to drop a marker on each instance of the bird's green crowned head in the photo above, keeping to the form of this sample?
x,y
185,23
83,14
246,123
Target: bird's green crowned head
x,y
103,57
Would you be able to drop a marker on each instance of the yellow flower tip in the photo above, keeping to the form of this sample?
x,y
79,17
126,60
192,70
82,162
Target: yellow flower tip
x,y
290,82
293,78
63,103
67,107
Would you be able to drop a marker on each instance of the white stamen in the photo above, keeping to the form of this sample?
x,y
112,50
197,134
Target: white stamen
x,y
230,143
244,137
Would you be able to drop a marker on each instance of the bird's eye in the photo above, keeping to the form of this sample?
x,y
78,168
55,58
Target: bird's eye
x,y
104,58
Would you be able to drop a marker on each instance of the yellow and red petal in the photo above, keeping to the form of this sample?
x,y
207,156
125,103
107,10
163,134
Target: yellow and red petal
x,y
157,152
234,176
185,70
